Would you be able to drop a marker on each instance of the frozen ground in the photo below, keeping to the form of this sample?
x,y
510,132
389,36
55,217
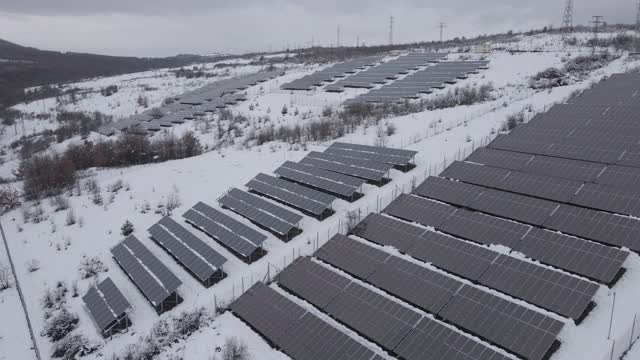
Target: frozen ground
x,y
439,136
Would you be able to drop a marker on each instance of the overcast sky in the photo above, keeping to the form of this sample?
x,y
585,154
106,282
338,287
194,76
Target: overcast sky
x,y
169,27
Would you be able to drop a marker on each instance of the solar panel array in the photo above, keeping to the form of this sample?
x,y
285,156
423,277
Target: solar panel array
x,y
106,304
151,276
365,169
209,98
387,71
340,70
233,234
334,183
389,323
294,329
193,253
399,157
422,82
292,194
262,212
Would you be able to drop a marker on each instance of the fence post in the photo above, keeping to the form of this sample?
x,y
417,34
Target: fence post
x,y
633,330
613,307
243,284
613,346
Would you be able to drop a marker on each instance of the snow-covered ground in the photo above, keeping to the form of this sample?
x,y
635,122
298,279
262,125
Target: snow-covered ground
x,y
439,136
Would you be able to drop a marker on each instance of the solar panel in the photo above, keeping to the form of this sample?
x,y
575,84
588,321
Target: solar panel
x,y
552,290
254,201
484,229
407,154
586,258
312,281
286,197
387,231
431,340
230,223
98,308
222,234
379,158
314,339
514,327
620,177
268,312
498,158
514,206
255,214
335,183
453,255
602,197
425,288
352,256
192,252
146,271
452,192
375,316
113,297
372,175
529,184
365,164
303,191
564,168
419,210
596,225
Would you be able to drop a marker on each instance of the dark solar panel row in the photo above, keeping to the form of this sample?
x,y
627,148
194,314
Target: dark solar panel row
x,y
106,304
299,333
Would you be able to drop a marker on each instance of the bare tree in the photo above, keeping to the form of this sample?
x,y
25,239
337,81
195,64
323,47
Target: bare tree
x,y
235,349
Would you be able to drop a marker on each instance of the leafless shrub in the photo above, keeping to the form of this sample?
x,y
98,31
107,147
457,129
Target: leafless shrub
x,y
91,267
59,203
9,198
71,218
5,277
235,349
33,265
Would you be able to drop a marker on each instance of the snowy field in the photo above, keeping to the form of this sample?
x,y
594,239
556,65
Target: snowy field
x,y
440,137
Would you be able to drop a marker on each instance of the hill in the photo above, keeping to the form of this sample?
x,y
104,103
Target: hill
x,y
22,67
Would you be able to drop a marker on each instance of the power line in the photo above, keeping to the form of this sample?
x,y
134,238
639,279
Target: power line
x,y
442,26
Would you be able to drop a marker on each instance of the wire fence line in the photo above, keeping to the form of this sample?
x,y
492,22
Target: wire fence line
x,y
620,345
24,304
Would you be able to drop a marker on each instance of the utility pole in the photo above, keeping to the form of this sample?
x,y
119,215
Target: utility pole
x,y
338,43
358,41
638,28
442,26
597,21
313,41
391,20
567,18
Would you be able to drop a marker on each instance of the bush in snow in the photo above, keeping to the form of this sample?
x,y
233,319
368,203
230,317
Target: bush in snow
x,y
59,325
5,277
547,79
581,66
71,218
33,265
127,228
59,203
391,129
9,198
72,347
91,267
235,349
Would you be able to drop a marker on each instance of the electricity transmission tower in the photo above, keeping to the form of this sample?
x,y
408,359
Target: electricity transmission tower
x,y
597,21
567,18
442,26
391,20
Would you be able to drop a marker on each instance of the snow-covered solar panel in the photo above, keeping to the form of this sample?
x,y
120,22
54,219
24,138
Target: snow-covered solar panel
x,y
317,196
352,256
453,192
387,231
152,277
406,154
380,158
498,158
192,252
